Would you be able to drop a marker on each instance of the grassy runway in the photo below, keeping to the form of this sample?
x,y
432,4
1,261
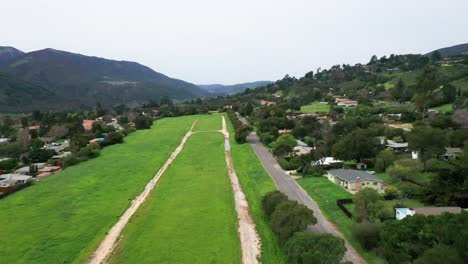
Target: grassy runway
x,y
190,216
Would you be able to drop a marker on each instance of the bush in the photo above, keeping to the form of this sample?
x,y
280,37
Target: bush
x,y
8,165
315,171
70,161
241,133
271,200
290,217
113,138
368,205
90,151
314,248
367,234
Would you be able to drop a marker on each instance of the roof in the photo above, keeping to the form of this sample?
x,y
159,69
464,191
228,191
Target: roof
x,y
353,175
88,124
452,151
394,144
326,161
301,143
437,210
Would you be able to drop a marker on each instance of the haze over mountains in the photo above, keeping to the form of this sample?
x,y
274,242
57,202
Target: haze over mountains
x,y
59,79
221,89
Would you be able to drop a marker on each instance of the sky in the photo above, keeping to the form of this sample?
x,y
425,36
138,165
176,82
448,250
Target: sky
x,y
221,41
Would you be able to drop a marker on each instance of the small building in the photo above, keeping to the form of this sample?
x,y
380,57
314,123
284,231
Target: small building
x,y
62,155
328,163
88,124
452,153
401,213
4,140
265,102
96,140
355,180
26,169
9,181
345,102
397,147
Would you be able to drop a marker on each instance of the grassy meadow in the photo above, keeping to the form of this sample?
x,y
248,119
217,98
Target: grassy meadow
x,y
208,122
255,183
315,107
62,218
190,216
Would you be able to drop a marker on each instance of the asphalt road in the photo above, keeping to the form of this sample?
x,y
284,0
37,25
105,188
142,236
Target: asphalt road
x,y
294,191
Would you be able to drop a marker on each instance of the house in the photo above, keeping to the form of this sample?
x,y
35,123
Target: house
x,y
88,124
265,102
4,140
284,131
401,213
58,147
26,169
451,153
345,102
355,180
302,148
397,147
328,162
9,181
62,155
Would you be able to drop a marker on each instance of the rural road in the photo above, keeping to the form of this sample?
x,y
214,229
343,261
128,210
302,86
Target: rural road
x,y
294,191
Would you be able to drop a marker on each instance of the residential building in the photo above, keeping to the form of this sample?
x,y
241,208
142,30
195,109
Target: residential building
x,y
88,124
328,163
451,153
302,148
396,146
9,181
355,180
401,213
4,140
345,102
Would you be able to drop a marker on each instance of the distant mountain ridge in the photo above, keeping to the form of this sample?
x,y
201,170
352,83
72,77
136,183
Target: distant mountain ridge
x,y
220,89
75,79
452,51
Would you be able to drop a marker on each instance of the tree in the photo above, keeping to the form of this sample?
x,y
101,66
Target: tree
x,y
428,142
24,122
368,205
242,132
23,137
449,93
426,85
143,122
398,92
290,217
57,131
305,248
384,159
356,145
367,234
271,200
284,144
436,56
440,254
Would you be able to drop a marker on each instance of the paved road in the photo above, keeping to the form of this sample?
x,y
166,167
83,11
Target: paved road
x,y
294,191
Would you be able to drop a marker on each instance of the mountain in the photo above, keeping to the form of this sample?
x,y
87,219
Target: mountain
x,y
220,89
452,51
77,79
9,54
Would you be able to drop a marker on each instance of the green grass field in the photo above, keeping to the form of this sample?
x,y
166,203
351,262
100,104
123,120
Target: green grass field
x,y
190,216
256,183
315,107
63,218
208,122
446,108
325,193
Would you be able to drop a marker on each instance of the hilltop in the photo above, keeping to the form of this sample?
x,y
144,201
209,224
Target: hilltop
x,y
221,89
452,51
74,79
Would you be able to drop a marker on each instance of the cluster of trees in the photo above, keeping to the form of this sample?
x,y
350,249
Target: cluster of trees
x,y
288,220
241,130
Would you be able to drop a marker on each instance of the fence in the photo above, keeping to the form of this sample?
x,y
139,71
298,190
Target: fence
x,y
341,203
18,188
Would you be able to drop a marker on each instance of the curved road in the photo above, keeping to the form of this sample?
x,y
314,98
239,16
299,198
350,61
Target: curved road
x,y
294,191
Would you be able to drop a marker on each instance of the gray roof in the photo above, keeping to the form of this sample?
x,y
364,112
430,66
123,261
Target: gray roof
x,y
352,175
452,151
394,144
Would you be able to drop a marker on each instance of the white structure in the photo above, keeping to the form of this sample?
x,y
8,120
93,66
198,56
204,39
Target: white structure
x,y
7,180
401,213
327,161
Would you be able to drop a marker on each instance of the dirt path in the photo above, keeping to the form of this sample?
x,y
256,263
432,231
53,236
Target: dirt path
x,y
249,239
110,241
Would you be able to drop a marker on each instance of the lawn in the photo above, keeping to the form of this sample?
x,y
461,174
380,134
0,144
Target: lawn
x,y
325,193
208,122
446,108
62,218
315,107
190,216
256,183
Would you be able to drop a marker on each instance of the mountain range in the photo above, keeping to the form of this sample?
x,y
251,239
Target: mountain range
x,y
220,89
54,80
452,51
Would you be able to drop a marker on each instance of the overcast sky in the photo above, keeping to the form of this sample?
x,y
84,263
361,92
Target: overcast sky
x,y
221,41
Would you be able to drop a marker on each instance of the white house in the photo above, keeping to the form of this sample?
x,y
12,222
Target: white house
x,y
401,213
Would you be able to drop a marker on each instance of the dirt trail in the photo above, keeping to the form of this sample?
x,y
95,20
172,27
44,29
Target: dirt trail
x,y
249,239
110,241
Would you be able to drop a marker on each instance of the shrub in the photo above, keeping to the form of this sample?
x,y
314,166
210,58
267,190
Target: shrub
x,y
290,217
368,205
367,234
314,248
241,133
271,200
8,165
315,171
